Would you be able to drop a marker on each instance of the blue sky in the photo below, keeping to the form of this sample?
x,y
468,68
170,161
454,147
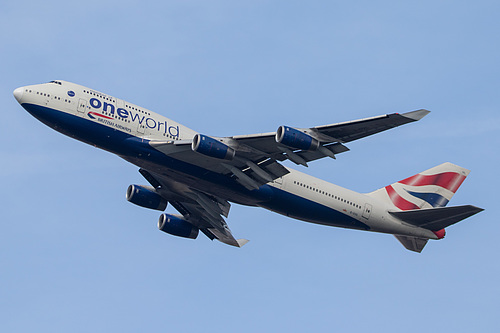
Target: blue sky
x,y
77,257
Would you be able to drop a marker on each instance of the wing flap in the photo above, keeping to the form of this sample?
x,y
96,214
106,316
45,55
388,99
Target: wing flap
x,y
312,155
273,167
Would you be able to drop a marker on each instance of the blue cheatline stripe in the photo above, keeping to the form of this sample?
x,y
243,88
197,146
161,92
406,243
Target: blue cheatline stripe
x,y
128,146
434,199
139,152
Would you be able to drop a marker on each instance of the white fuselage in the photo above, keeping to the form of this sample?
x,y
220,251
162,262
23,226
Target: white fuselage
x,y
121,127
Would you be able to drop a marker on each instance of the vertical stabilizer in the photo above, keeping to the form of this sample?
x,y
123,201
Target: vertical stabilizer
x,y
432,188
420,200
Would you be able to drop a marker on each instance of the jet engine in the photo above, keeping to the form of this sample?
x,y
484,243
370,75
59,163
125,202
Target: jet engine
x,y
146,196
211,147
177,226
294,138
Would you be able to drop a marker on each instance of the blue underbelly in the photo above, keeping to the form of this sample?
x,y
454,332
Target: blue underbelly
x,y
300,208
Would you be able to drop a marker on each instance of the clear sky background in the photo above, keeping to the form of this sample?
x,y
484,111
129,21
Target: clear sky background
x,y
75,256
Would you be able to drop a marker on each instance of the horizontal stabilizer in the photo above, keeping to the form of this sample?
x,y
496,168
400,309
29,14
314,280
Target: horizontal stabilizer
x,y
436,219
414,244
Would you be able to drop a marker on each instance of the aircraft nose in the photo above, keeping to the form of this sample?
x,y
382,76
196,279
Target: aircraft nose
x,y
18,94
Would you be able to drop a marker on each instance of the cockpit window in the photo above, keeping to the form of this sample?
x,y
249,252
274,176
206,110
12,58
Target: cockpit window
x,y
56,82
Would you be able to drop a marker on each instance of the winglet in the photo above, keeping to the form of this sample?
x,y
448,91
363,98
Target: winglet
x,y
416,115
242,241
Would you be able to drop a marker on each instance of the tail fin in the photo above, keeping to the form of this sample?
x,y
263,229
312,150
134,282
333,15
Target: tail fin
x,y
432,188
420,200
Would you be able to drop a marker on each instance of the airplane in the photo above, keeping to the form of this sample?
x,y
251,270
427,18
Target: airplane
x,y
199,175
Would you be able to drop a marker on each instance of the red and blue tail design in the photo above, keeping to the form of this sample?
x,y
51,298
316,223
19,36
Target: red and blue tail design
x,y
432,188
420,200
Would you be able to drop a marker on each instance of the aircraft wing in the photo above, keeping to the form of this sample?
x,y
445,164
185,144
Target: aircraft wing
x,y
254,160
200,209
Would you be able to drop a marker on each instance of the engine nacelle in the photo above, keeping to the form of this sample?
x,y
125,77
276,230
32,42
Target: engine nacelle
x,y
146,196
177,226
294,138
211,147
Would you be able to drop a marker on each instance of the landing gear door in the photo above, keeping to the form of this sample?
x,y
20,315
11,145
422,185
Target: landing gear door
x,y
367,211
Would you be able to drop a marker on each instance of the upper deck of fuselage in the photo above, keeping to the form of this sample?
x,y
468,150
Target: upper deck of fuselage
x,y
107,110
